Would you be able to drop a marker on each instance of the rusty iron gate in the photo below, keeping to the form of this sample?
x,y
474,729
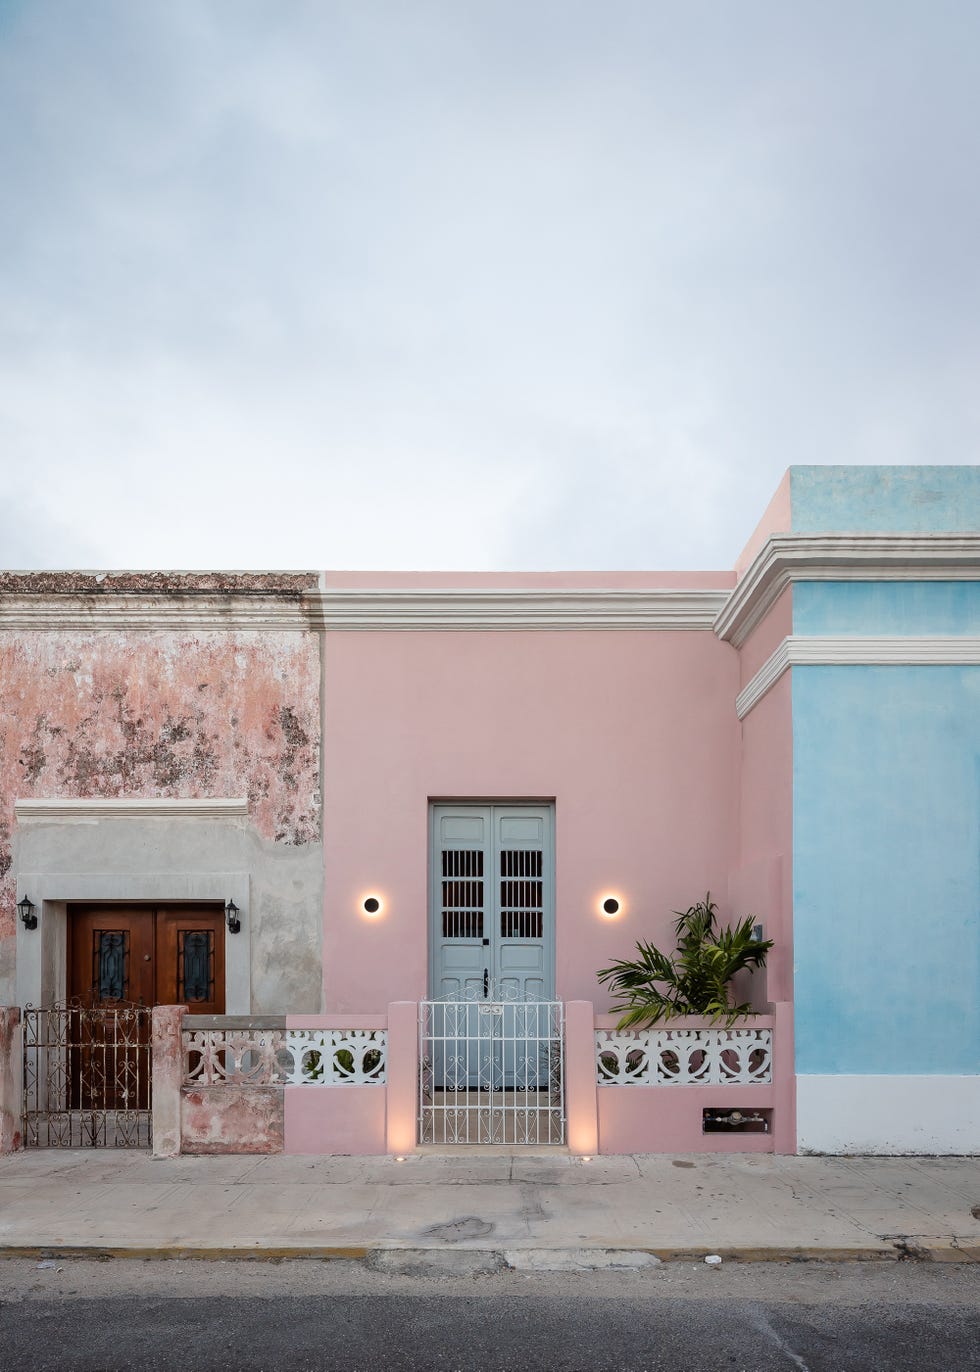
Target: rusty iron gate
x,y
87,1076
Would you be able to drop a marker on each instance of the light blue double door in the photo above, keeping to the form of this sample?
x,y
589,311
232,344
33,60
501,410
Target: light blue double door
x,y
492,944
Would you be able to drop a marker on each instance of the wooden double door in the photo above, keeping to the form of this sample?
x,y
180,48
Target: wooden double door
x,y
138,955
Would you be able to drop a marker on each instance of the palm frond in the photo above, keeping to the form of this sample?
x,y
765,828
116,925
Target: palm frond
x,y
656,986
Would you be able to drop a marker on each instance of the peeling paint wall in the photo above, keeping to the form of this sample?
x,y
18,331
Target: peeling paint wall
x,y
232,1119
160,714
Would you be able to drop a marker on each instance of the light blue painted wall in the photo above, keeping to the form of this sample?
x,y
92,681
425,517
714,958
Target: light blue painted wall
x,y
886,607
885,499
886,869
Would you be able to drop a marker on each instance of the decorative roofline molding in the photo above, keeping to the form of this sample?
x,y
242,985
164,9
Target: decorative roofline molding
x,y
359,609
171,612
521,609
865,651
786,558
732,615
131,808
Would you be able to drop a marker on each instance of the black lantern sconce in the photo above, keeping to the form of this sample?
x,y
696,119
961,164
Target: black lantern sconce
x,y
26,909
232,913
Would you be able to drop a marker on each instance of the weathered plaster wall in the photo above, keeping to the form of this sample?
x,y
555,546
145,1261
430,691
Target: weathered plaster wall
x,y
885,499
152,714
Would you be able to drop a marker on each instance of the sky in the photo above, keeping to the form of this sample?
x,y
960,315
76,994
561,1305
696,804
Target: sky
x,y
405,284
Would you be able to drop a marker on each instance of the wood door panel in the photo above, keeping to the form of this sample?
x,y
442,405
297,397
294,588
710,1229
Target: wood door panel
x,y
190,952
111,956
160,955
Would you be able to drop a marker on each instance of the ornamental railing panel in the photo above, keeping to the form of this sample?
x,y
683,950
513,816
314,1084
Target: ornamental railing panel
x,y
683,1057
257,1056
336,1057
87,1076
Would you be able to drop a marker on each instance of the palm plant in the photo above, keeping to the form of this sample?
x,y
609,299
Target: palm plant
x,y
695,980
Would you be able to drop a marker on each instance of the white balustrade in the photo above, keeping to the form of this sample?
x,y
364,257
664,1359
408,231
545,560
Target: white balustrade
x,y
285,1057
683,1057
336,1057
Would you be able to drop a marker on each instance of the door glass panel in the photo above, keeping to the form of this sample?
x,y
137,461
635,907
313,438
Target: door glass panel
x,y
462,893
521,893
195,965
110,950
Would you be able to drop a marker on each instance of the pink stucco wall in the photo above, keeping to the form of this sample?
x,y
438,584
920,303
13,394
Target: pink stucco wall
x,y
668,1119
530,581
766,637
335,1119
634,736
762,879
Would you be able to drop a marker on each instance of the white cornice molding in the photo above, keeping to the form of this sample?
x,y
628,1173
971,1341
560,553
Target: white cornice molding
x,y
173,613
521,609
866,651
357,609
786,558
131,808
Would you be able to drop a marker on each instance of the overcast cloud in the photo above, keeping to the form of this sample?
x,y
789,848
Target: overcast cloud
x,y
388,283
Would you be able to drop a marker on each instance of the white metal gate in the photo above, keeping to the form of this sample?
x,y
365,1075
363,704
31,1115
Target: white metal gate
x,y
492,1070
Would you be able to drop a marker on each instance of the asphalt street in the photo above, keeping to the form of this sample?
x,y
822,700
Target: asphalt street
x,y
309,1316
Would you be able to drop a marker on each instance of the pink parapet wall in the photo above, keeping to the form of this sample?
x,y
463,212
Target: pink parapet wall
x,y
777,519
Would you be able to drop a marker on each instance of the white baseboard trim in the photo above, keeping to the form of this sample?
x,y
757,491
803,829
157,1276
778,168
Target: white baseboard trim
x,y
888,1115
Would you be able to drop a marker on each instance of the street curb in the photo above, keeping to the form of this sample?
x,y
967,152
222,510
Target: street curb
x,y
901,1251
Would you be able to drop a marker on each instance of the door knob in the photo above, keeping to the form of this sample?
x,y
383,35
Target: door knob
x,y
486,982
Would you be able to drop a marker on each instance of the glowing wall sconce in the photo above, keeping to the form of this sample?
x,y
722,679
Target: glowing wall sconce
x,y
372,906
610,906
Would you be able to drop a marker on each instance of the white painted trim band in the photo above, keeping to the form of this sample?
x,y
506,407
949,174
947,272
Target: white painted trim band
x,y
522,609
867,651
130,808
358,609
786,558
888,1114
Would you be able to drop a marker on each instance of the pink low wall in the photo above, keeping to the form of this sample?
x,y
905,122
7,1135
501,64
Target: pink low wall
x,y
668,1119
335,1119
361,1120
369,1119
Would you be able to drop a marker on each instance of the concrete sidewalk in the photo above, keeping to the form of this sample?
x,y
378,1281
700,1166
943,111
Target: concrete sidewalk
x,y
532,1209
